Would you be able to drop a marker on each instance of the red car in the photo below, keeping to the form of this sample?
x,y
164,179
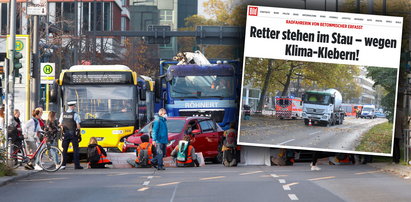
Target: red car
x,y
207,136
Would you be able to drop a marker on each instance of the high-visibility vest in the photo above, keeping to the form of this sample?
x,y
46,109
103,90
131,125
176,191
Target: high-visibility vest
x,y
103,159
143,146
189,158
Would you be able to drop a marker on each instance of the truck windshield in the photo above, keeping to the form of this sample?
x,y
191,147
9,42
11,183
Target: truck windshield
x,y
367,109
313,98
202,86
103,105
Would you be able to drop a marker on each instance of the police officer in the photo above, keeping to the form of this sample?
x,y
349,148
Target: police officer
x,y
70,122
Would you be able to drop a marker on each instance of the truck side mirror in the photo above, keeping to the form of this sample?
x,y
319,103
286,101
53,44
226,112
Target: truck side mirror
x,y
158,88
54,92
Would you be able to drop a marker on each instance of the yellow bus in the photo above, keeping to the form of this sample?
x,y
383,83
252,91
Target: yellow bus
x,y
112,101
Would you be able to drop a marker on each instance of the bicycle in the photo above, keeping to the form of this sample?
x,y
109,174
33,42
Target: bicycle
x,y
50,157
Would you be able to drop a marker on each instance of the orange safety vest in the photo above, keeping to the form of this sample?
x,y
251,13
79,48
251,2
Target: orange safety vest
x,y
143,146
189,158
103,159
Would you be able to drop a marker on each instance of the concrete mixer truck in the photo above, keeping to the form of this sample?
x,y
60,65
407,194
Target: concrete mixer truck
x,y
323,107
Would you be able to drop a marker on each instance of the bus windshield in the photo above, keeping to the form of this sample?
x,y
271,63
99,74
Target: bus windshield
x,y
321,99
103,105
202,86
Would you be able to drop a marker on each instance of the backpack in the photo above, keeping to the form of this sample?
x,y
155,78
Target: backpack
x,y
93,155
231,138
143,157
182,150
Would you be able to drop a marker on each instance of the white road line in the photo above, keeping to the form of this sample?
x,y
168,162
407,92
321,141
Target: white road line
x,y
286,141
274,175
143,189
282,181
149,177
146,183
286,187
314,133
249,173
174,193
293,197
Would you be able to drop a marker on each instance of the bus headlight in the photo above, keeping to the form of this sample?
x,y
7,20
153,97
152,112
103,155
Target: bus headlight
x,y
117,132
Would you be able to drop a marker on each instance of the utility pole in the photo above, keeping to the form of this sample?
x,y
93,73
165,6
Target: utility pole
x,y
10,68
36,63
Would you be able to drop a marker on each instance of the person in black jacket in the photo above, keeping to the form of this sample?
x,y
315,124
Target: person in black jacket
x,y
96,155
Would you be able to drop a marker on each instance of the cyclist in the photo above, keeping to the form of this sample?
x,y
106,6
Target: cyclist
x,y
70,122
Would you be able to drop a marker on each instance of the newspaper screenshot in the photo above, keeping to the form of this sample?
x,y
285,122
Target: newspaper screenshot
x,y
318,80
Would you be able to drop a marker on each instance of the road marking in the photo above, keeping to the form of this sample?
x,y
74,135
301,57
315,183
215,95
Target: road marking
x,y
249,173
321,178
212,178
174,194
293,197
369,172
146,183
274,175
314,133
143,189
149,177
287,141
166,184
282,181
291,184
282,175
285,187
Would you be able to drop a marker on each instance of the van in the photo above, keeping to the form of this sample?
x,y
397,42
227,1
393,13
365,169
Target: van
x,y
368,111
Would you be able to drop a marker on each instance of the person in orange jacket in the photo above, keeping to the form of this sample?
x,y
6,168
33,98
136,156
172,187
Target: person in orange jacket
x,y
96,155
188,154
145,154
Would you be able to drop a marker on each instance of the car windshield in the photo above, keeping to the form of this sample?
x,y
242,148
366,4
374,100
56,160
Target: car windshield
x,y
103,105
202,86
314,98
367,109
173,126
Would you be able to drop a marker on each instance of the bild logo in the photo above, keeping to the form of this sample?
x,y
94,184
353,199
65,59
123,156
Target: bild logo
x,y
252,11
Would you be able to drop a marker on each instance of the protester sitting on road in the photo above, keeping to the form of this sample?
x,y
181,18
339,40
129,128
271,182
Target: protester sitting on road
x,y
285,157
96,156
230,146
185,154
145,154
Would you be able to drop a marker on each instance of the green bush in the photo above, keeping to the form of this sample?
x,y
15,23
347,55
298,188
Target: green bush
x,y
4,169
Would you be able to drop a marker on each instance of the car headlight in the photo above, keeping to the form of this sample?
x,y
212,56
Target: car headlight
x,y
170,143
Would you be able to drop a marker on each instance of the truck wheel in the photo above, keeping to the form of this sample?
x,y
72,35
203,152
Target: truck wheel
x,y
306,122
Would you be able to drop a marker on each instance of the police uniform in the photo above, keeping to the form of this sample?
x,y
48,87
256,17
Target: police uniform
x,y
69,120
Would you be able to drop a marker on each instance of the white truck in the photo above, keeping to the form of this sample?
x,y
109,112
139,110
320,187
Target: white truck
x,y
368,111
323,107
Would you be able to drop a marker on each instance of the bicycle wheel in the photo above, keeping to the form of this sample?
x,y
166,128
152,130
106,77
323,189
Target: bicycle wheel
x,y
51,158
13,156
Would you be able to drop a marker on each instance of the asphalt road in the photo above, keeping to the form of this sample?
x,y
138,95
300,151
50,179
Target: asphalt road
x,y
272,131
212,183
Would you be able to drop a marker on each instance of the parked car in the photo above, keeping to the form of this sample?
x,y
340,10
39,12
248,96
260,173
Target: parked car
x,y
380,115
206,136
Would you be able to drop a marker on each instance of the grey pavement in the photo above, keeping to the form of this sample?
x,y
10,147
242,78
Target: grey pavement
x,y
213,183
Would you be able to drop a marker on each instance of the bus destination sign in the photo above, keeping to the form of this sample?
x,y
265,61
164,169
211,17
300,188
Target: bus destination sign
x,y
98,77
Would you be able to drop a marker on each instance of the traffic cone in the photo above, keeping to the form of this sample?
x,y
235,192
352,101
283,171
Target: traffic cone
x,y
309,122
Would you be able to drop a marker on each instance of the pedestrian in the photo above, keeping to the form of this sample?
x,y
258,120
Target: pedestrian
x,y
145,154
160,136
316,156
230,146
185,154
41,121
70,123
31,131
96,155
52,128
17,136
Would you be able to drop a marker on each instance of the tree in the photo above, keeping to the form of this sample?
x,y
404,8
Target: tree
x,y
386,78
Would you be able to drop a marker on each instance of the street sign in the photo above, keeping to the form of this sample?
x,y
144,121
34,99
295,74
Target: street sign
x,y
22,46
37,7
48,73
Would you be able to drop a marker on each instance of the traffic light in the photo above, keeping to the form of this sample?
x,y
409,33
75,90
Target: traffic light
x,y
17,64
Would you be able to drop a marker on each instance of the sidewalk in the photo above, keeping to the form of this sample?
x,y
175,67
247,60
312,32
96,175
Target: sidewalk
x,y
21,173
402,170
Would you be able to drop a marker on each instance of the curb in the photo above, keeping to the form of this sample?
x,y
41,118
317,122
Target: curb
x,y
7,179
402,170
